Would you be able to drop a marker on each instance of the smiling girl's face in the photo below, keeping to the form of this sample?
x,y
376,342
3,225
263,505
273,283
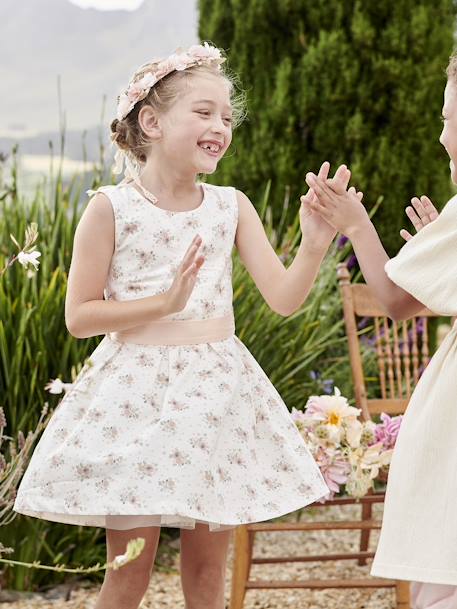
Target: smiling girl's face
x,y
197,129
448,137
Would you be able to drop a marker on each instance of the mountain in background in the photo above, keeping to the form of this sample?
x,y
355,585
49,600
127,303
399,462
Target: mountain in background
x,y
94,52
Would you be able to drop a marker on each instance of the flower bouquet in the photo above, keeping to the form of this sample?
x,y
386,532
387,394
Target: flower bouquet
x,y
350,453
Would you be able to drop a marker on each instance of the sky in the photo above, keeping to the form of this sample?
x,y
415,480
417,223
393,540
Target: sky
x,y
109,5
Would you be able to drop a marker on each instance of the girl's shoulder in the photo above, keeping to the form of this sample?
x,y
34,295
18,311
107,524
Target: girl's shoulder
x,y
116,193
228,191
225,198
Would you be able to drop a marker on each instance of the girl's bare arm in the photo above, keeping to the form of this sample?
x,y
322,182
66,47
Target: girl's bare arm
x,y
348,215
283,289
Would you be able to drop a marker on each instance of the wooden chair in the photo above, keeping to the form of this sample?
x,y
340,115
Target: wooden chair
x,y
402,352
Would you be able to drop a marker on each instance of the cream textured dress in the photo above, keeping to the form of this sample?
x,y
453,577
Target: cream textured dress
x,y
419,533
171,435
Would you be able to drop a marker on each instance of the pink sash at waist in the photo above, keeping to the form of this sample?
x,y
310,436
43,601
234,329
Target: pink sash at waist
x,y
178,331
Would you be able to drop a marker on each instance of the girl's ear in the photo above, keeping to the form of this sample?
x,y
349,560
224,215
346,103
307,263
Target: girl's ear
x,y
149,123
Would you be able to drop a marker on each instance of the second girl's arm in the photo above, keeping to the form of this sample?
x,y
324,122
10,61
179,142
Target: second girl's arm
x,y
348,215
372,257
284,290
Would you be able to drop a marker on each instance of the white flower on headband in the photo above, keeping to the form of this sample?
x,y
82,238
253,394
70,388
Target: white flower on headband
x,y
197,54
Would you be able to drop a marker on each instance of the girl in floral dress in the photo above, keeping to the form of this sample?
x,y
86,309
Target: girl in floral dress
x,y
172,422
418,539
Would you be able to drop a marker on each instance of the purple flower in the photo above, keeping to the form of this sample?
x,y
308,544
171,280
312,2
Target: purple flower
x,y
342,240
363,323
328,386
387,431
352,262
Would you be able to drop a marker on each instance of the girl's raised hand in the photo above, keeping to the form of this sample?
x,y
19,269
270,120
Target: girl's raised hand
x,y
341,208
421,213
183,283
317,232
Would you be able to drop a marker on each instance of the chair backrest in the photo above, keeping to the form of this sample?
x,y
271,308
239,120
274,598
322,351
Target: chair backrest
x,y
401,348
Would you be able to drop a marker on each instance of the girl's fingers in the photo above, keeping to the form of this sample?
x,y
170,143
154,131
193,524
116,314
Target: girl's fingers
x,y
417,204
415,219
429,208
341,179
323,171
306,199
323,192
193,268
405,234
353,191
190,253
321,210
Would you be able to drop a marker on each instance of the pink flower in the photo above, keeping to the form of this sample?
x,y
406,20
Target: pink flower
x,y
134,91
334,468
297,415
139,89
164,68
179,61
387,431
205,51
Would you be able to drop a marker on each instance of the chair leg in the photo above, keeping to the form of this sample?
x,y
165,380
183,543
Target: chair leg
x,y
367,509
402,595
242,556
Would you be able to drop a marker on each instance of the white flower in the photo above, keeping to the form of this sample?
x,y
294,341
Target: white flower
x,y
368,435
56,386
26,258
334,412
124,106
370,459
134,549
358,483
354,432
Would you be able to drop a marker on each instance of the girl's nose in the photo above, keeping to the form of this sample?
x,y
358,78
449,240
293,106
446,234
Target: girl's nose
x,y
218,125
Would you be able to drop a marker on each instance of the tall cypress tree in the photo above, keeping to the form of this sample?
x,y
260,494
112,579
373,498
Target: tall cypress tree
x,y
345,81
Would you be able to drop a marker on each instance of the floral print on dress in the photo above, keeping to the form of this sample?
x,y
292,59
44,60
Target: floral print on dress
x,y
160,435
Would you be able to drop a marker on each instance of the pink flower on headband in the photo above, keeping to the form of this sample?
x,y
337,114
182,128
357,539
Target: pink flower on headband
x,y
135,92
197,54
179,61
204,51
138,90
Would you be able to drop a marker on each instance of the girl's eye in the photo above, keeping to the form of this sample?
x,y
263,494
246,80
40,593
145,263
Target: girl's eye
x,y
228,119
204,112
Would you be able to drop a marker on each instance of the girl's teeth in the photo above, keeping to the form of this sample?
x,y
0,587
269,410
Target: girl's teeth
x,y
210,147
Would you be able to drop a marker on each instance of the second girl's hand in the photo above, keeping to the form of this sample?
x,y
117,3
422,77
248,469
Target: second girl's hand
x,y
421,213
347,214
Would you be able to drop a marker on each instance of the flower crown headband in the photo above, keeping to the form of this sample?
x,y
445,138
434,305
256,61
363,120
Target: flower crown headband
x,y
155,70
180,60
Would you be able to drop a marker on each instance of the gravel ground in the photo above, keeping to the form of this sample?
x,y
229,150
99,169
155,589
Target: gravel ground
x,y
165,588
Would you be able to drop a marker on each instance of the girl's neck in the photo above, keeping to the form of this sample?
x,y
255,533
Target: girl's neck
x,y
169,183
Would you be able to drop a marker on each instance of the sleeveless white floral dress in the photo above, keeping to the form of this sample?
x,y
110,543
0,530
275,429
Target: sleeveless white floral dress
x,y
170,435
